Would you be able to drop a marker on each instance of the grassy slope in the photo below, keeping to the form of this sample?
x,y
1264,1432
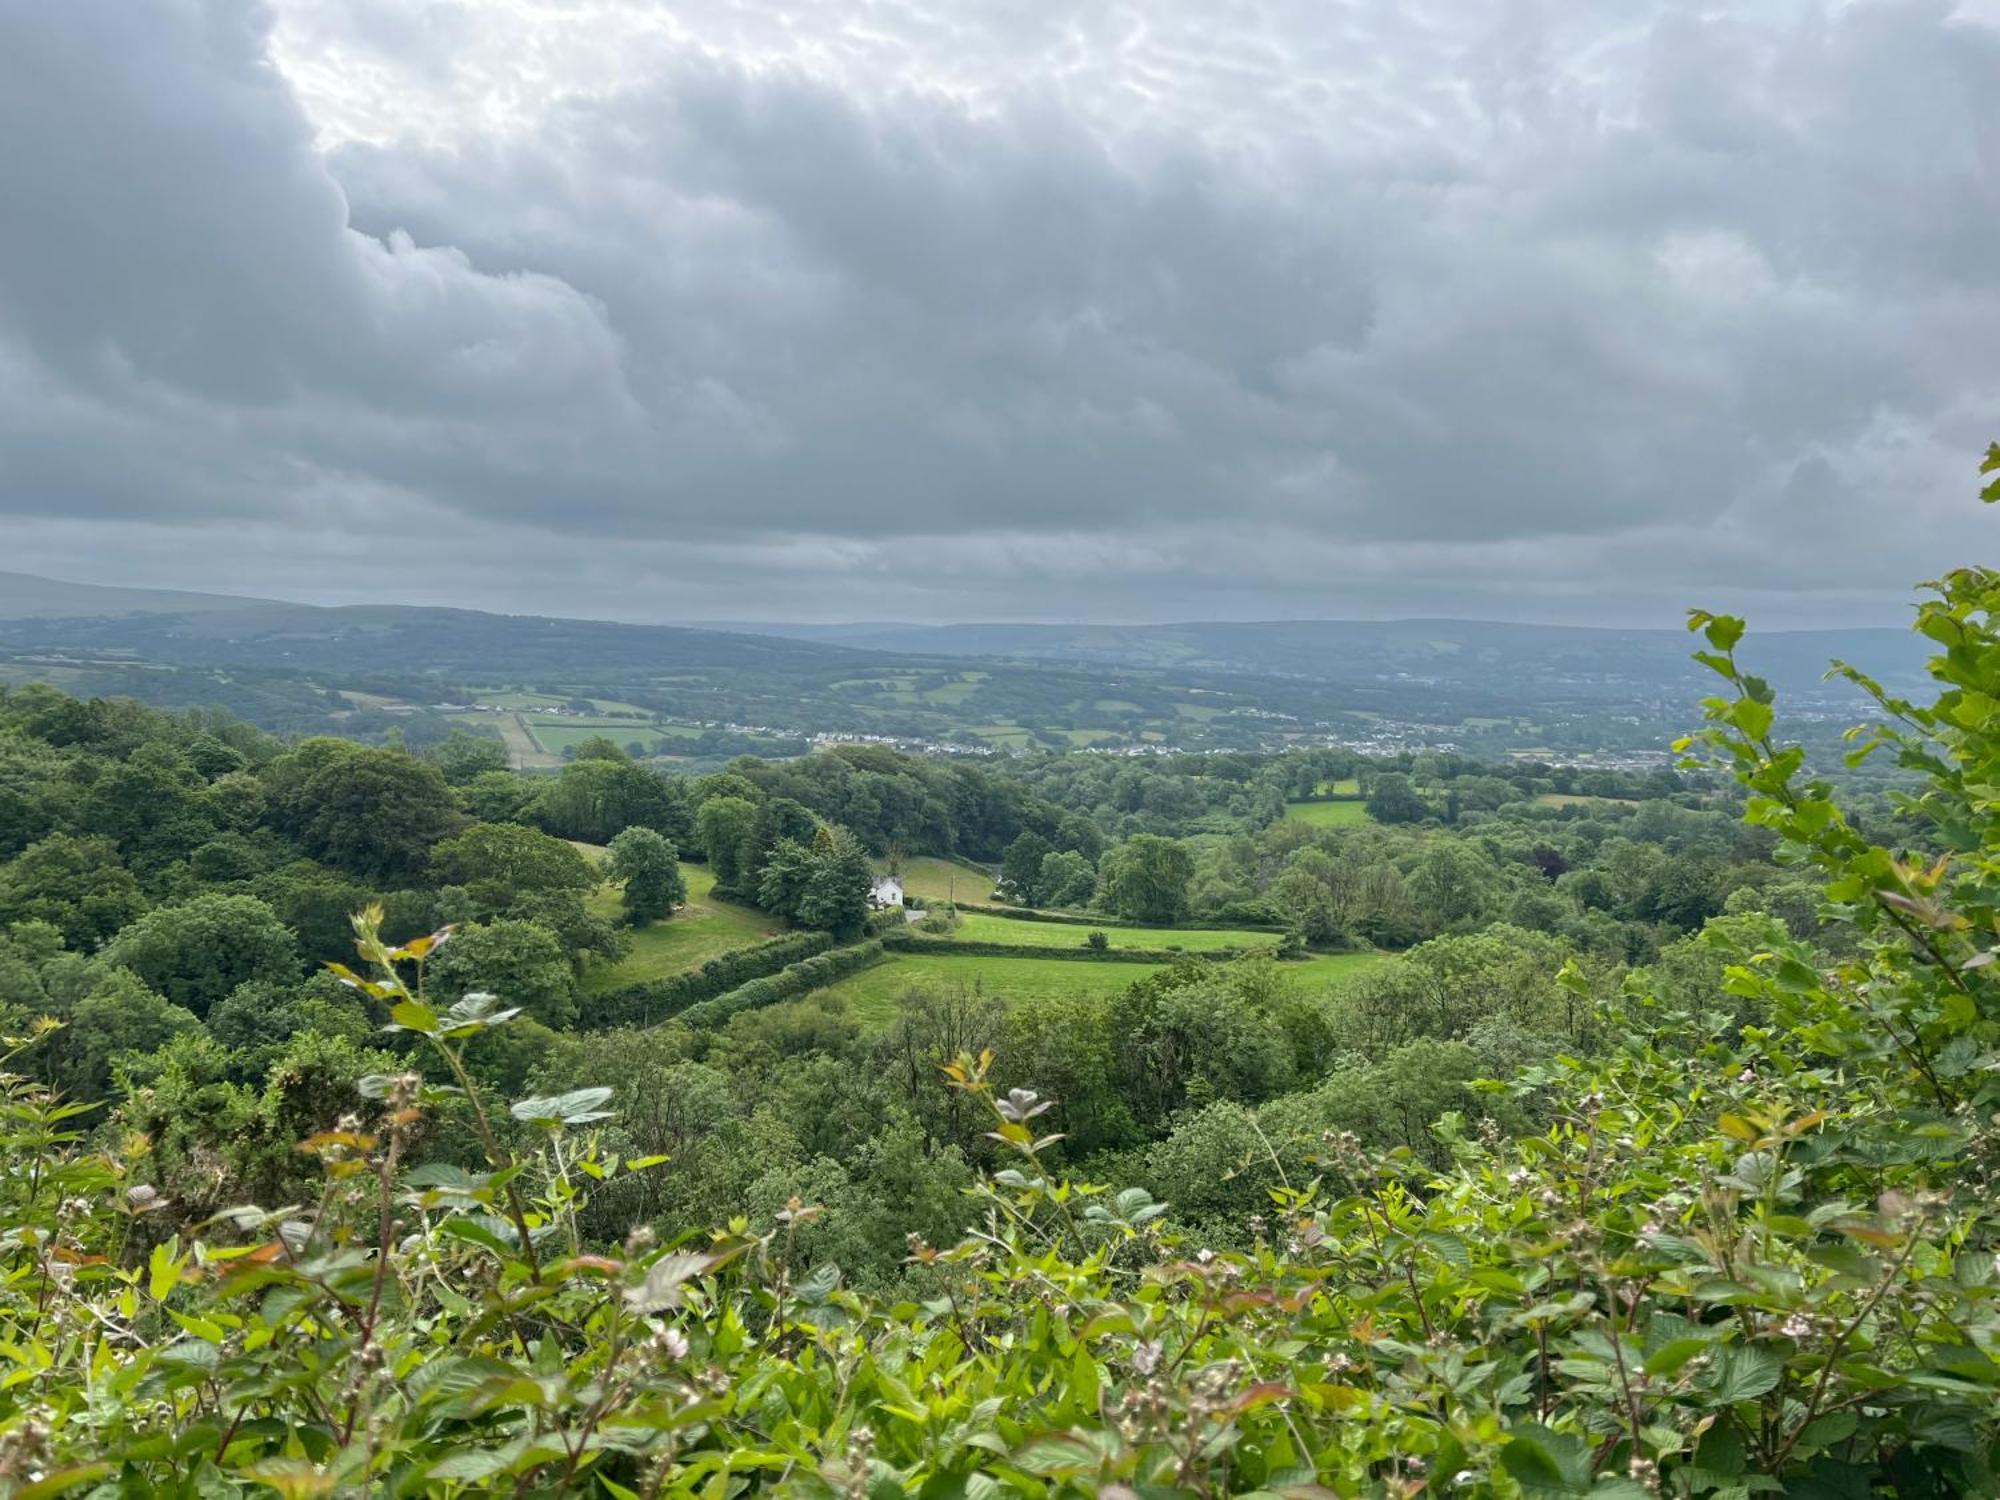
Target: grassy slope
x,y
695,933
937,879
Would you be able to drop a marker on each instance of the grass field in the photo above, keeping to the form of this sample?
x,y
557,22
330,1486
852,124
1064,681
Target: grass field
x,y
978,927
1327,814
1577,799
935,879
694,934
872,994
522,750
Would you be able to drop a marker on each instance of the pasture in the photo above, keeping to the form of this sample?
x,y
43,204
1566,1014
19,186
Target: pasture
x,y
872,994
1348,814
932,879
979,927
695,933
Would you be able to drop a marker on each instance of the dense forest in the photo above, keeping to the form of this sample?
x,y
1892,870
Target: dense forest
x,y
1360,1126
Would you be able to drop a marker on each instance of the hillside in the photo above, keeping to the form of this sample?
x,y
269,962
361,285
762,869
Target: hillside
x,y
1535,661
26,596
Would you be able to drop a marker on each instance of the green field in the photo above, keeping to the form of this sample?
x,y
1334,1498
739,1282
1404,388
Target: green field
x,y
1325,968
1578,799
933,879
978,927
555,735
872,994
694,934
1327,814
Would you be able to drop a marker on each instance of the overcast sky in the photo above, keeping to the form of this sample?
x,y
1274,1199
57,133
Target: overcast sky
x,y
1020,309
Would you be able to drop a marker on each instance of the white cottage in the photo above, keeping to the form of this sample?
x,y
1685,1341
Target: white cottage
x,y
887,892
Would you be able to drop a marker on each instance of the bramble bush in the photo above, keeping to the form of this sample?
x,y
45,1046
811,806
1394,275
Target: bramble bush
x,y
1745,1257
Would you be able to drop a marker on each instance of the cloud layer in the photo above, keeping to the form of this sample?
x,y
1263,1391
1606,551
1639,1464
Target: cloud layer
x,y
937,311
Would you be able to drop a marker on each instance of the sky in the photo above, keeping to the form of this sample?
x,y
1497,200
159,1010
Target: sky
x,y
907,309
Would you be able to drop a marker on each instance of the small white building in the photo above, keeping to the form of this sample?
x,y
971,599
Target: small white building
x,y
886,893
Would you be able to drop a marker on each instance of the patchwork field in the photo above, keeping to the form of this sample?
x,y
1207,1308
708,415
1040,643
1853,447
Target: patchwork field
x,y
1327,814
978,927
694,934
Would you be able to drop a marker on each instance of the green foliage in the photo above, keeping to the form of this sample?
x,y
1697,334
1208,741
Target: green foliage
x,y
498,863
372,812
1021,868
1146,879
198,951
650,868
1391,799
597,797
75,884
523,960
1506,1218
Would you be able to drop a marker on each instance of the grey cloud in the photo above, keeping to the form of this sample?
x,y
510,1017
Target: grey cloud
x,y
1253,308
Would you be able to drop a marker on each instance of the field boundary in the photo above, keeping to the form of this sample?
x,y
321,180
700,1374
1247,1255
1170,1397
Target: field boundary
x,y
910,942
800,978
1072,919
651,1001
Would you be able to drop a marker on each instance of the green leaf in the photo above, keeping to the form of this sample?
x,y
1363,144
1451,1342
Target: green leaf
x,y
1744,1372
578,1107
413,1015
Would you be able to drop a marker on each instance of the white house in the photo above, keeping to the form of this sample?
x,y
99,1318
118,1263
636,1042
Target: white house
x,y
887,892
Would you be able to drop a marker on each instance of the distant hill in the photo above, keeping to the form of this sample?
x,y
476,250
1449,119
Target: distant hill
x,y
1535,660
24,596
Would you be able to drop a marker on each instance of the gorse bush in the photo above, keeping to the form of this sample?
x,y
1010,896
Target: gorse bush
x,y
1751,1251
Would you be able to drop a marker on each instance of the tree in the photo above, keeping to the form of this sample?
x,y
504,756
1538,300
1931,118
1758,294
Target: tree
x,y
651,870
777,819
595,799
498,797
75,884
119,1016
463,756
788,869
501,862
521,962
721,829
1391,799
1146,879
1068,878
1021,869
375,812
197,952
835,898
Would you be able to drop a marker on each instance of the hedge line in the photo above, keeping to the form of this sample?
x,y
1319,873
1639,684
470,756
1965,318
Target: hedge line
x,y
906,942
788,983
653,1000
1071,919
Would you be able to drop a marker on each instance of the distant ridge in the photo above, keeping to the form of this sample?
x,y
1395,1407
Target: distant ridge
x,y
27,596
1460,651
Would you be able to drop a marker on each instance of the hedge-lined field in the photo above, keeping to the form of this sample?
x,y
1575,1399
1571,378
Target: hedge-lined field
x,y
871,995
1327,814
694,934
979,927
